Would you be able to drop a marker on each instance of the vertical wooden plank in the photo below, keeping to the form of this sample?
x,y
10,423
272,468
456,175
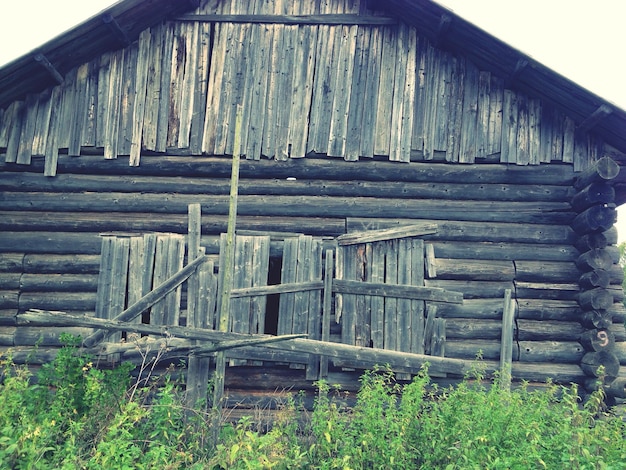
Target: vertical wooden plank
x,y
153,88
287,275
127,99
534,131
509,125
4,125
441,92
52,149
431,97
119,276
216,76
455,108
506,345
162,131
303,274
467,150
370,94
405,312
362,311
284,89
176,78
139,103
569,128
302,89
13,135
88,131
377,303
420,108
260,269
111,127
104,277
496,96
135,272
357,99
161,258
327,307
418,266
438,345
349,314
314,328
482,125
557,136
77,79
204,46
189,39
176,255
546,134
391,304
429,327
44,110
523,132
402,111
25,146
102,91
194,232
385,92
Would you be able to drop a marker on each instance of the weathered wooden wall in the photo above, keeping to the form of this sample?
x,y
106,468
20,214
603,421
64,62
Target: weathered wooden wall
x,y
499,227
361,86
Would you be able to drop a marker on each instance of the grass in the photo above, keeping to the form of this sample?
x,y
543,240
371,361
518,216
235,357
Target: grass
x,y
76,416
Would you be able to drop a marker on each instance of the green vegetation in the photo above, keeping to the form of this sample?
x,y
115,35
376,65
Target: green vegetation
x,y
78,416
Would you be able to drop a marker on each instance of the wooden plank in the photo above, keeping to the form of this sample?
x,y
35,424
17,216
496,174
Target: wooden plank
x,y
164,84
417,307
523,131
314,328
44,110
377,264
189,39
372,57
357,98
153,88
52,150
105,277
420,108
404,325
482,122
260,268
326,308
468,144
157,313
429,327
116,302
284,88
288,275
457,91
111,126
391,303
143,59
387,234
496,95
385,95
506,348
389,289
299,19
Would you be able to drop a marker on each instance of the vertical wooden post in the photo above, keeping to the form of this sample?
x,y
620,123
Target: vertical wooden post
x,y
506,345
224,314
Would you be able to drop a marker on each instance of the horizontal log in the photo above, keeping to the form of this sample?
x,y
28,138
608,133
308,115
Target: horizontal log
x,y
456,230
45,336
595,193
596,218
270,185
567,352
11,262
598,340
504,251
9,299
175,223
547,330
541,372
310,168
476,270
294,206
7,338
471,289
617,388
481,309
618,312
61,264
592,361
546,271
605,169
59,283
9,281
66,301
8,317
619,330
429,293
31,355
464,328
543,290
51,242
547,309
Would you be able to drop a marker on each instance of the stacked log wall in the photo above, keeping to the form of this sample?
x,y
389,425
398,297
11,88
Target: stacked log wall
x,y
499,227
360,86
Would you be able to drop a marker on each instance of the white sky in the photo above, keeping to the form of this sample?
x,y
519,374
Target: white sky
x,y
580,39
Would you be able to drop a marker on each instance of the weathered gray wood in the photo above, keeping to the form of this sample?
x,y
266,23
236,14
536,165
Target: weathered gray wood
x,y
326,308
595,299
598,340
596,278
325,19
595,193
598,258
369,236
54,282
151,298
396,290
592,361
506,347
368,357
605,169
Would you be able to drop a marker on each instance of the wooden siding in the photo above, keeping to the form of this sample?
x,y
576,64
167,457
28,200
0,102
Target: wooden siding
x,y
342,90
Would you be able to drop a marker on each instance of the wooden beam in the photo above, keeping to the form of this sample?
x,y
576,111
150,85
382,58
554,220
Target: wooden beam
x,y
116,29
432,294
292,19
42,60
594,118
387,234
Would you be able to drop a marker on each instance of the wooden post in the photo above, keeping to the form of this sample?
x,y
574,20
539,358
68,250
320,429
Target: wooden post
x,y
506,346
224,314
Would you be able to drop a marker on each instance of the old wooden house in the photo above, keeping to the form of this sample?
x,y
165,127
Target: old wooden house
x,y
409,186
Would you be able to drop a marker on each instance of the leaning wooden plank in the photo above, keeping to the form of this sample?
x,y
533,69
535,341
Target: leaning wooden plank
x,y
42,124
367,357
150,299
52,150
369,236
276,289
434,294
